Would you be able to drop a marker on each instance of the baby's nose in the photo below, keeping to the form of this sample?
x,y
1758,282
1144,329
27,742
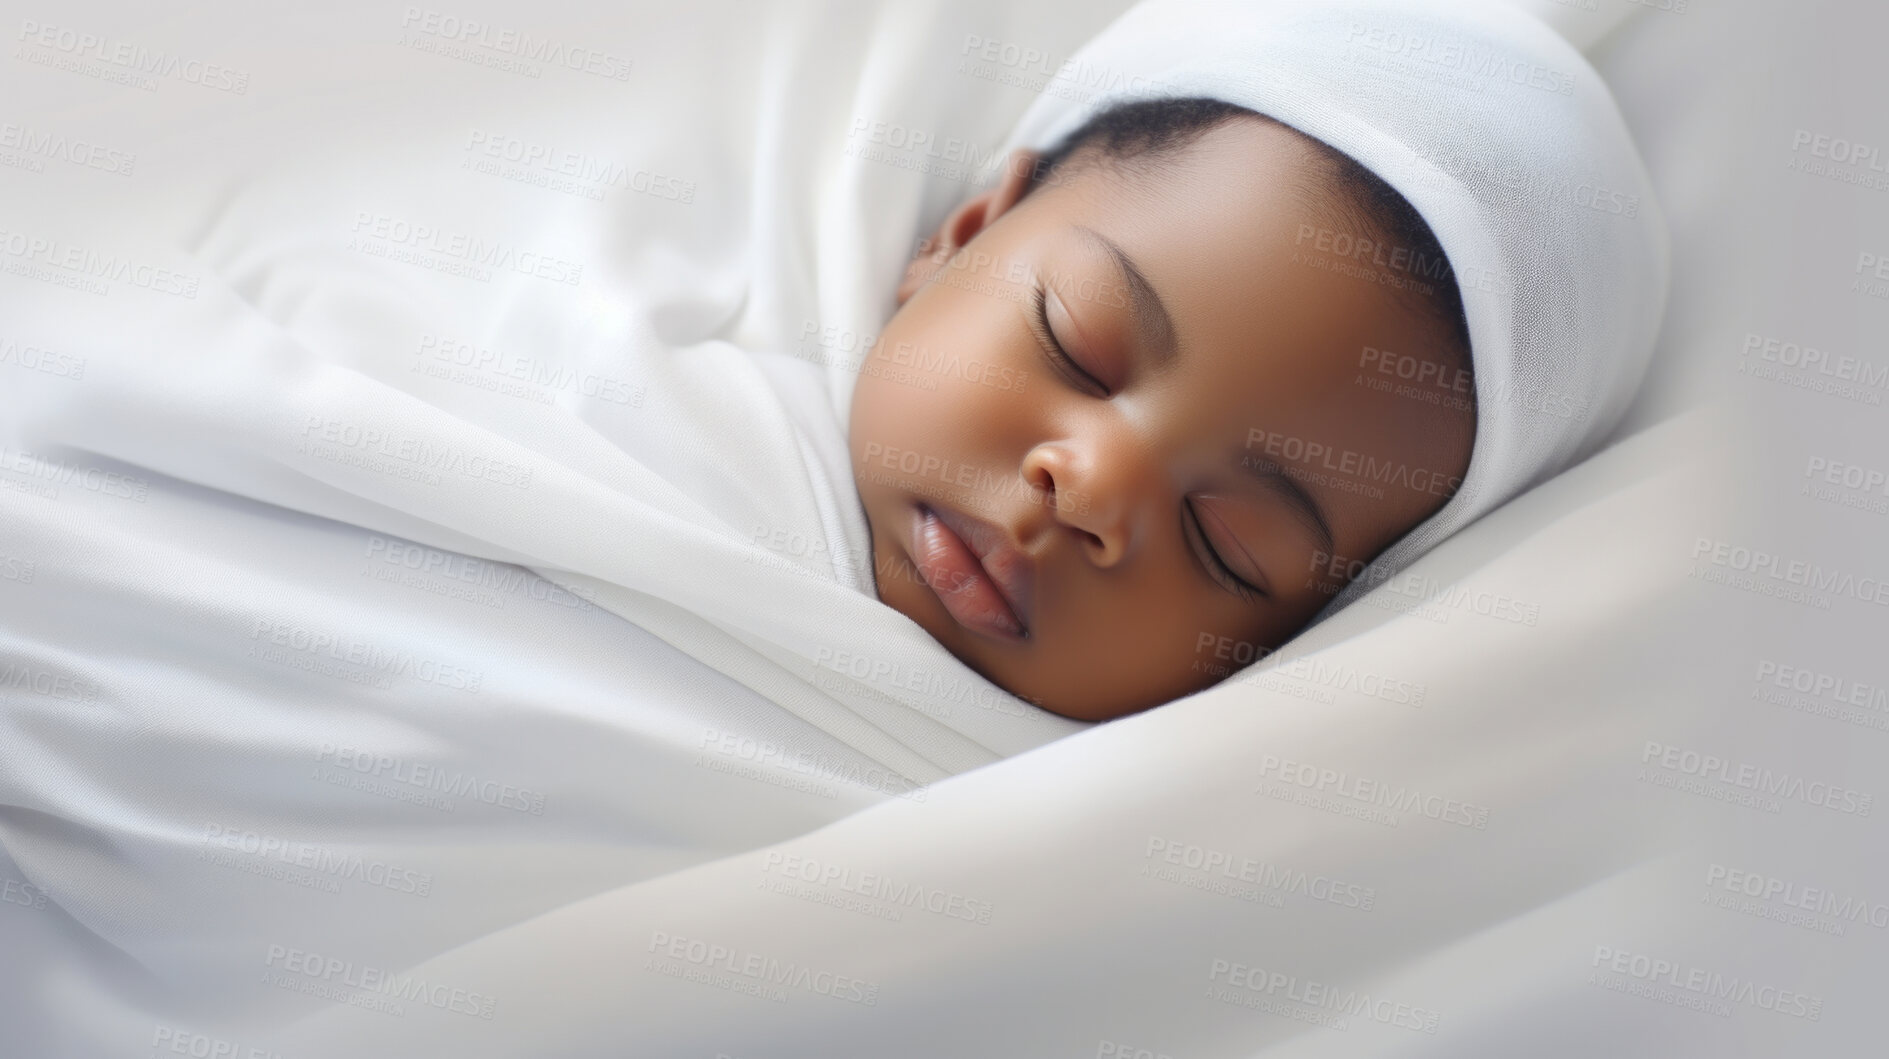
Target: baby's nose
x,y
1103,491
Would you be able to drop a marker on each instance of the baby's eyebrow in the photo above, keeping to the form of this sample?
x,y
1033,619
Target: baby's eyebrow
x,y
1277,478
1151,316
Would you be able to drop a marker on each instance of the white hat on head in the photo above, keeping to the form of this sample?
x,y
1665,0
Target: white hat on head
x,y
1500,134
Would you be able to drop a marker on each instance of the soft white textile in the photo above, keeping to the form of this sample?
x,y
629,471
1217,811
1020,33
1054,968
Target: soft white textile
x,y
147,701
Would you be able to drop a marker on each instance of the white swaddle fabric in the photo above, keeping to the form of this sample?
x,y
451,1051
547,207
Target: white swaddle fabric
x,y
680,481
1504,139
336,440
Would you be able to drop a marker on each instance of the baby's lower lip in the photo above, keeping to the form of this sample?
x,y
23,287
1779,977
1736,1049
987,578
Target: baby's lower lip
x,y
952,571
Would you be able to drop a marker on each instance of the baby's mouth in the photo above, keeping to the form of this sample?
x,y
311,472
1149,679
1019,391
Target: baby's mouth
x,y
982,579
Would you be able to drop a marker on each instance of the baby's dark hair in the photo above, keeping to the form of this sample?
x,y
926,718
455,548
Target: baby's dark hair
x,y
1148,130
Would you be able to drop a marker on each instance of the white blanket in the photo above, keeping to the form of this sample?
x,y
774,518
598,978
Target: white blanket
x,y
320,744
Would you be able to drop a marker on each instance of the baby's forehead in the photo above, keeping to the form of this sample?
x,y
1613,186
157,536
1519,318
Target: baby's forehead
x,y
1252,193
1208,257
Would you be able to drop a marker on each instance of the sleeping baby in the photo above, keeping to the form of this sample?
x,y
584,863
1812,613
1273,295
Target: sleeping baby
x,y
1197,437
1242,368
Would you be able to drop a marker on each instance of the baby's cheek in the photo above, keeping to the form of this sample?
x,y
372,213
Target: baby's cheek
x,y
937,402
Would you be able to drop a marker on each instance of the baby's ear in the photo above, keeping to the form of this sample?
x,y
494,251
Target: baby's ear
x,y
963,224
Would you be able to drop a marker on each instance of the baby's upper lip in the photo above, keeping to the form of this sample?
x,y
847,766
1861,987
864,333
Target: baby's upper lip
x,y
1010,570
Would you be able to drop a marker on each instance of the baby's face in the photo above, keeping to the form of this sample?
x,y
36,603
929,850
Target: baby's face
x,y
1224,418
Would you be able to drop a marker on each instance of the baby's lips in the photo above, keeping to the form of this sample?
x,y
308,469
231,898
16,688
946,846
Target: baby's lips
x,y
1016,578
1010,569
950,566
